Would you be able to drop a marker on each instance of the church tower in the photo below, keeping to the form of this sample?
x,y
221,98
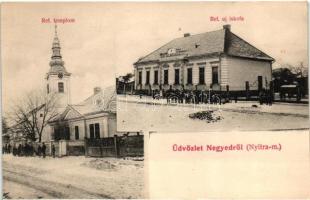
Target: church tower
x,y
58,79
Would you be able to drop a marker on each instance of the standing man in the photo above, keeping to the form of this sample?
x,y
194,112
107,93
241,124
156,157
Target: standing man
x,y
53,150
43,150
39,150
9,148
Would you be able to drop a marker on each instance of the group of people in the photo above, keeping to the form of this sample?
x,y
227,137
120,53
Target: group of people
x,y
6,149
208,97
26,150
265,97
196,96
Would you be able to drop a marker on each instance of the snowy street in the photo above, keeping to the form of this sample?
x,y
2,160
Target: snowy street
x,y
72,177
136,114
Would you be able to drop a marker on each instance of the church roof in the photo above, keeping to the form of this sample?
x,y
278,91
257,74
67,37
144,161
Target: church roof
x,y
100,102
214,42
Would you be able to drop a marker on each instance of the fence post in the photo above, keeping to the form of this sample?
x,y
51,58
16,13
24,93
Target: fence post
x,y
227,93
85,146
271,88
247,88
260,83
116,145
101,147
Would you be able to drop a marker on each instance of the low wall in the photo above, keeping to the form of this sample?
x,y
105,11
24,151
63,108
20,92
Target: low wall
x,y
75,148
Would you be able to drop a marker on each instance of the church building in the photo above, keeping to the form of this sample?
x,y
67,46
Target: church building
x,y
94,117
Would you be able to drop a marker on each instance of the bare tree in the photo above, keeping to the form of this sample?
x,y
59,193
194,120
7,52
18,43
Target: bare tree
x,y
4,125
299,70
32,113
126,79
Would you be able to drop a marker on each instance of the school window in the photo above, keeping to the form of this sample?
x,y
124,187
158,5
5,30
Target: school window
x,y
260,82
215,75
156,77
91,131
177,76
61,87
77,134
48,89
147,82
140,78
97,130
166,76
201,75
189,76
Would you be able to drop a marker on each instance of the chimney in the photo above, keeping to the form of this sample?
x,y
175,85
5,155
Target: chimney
x,y
226,27
187,34
97,90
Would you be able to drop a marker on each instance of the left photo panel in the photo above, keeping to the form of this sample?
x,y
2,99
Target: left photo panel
x,y
59,116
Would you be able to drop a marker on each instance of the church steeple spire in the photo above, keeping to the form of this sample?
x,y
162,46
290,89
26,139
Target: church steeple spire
x,y
56,63
57,78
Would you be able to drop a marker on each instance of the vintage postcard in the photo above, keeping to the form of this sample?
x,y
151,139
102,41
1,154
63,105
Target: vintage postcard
x,y
142,100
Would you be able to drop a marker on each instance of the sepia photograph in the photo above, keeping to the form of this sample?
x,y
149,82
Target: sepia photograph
x,y
218,67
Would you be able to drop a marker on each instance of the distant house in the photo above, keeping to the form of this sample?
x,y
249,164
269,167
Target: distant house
x,y
217,60
284,76
93,118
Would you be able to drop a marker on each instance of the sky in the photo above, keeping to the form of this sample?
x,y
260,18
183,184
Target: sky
x,y
107,38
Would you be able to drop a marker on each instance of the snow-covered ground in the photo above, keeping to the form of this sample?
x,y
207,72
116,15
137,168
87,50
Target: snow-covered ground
x,y
72,177
134,114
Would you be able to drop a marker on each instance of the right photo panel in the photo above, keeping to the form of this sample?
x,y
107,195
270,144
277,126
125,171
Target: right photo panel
x,y
213,67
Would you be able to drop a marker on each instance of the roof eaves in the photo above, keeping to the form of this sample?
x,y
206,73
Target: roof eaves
x,y
270,58
252,57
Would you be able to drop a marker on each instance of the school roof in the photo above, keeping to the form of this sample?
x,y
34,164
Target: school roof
x,y
214,42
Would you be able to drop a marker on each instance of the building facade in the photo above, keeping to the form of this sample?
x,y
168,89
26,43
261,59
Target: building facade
x,y
217,60
93,118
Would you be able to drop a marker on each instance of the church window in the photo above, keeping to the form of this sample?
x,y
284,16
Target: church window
x,y
97,130
91,131
67,133
140,78
94,130
61,87
77,134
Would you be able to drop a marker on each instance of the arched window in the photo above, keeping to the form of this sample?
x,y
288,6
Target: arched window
x,y
61,87
48,89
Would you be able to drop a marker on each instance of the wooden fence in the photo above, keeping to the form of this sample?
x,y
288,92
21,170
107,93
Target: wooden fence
x,y
117,146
